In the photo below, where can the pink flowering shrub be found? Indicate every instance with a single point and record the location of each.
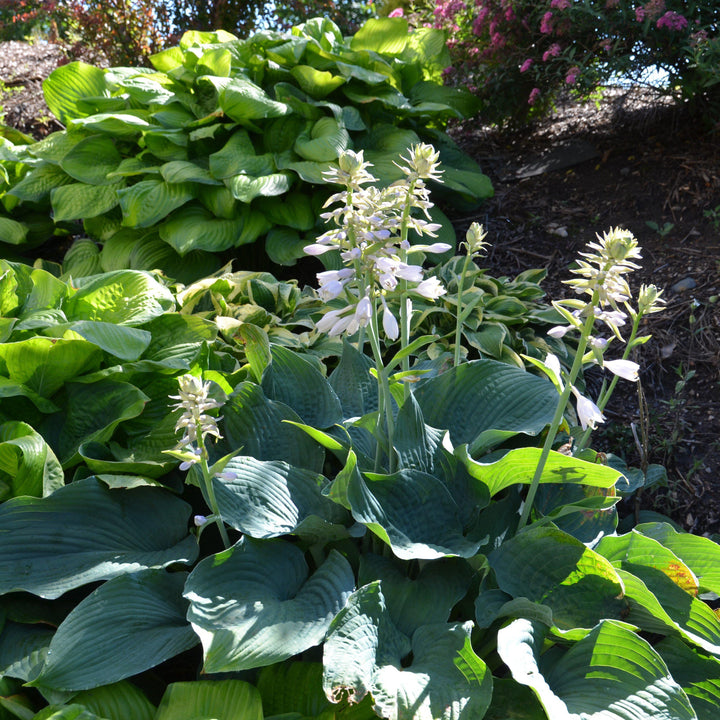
(518, 54)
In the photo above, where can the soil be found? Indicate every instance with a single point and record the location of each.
(629, 160)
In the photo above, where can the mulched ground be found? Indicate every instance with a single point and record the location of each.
(628, 161)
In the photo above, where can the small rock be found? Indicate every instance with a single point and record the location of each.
(625, 171)
(683, 285)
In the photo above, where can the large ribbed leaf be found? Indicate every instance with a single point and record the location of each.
(353, 384)
(325, 141)
(256, 603)
(12, 231)
(205, 699)
(125, 297)
(382, 35)
(294, 381)
(195, 228)
(129, 624)
(246, 187)
(84, 532)
(550, 567)
(442, 679)
(244, 101)
(120, 341)
(316, 83)
(28, 466)
(22, 648)
(611, 674)
(118, 701)
(69, 85)
(149, 201)
(38, 183)
(238, 156)
(484, 402)
(266, 499)
(91, 160)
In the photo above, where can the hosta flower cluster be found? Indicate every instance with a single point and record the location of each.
(371, 235)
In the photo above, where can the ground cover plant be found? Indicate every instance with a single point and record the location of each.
(224, 143)
(348, 531)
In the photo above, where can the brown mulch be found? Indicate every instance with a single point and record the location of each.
(629, 160)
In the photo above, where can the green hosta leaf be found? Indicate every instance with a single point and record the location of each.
(698, 675)
(120, 341)
(118, 701)
(243, 101)
(177, 337)
(270, 498)
(65, 712)
(206, 699)
(246, 188)
(611, 674)
(78, 200)
(382, 35)
(45, 364)
(22, 648)
(316, 83)
(124, 297)
(38, 183)
(82, 259)
(255, 424)
(182, 171)
(410, 510)
(12, 231)
(511, 701)
(294, 210)
(149, 201)
(424, 600)
(117, 472)
(243, 600)
(84, 532)
(69, 85)
(473, 184)
(325, 142)
(518, 466)
(484, 402)
(364, 653)
(91, 412)
(284, 246)
(238, 157)
(550, 567)
(700, 554)
(28, 466)
(294, 381)
(126, 124)
(194, 228)
(129, 624)
(91, 160)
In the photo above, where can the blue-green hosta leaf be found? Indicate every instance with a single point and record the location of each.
(353, 384)
(118, 701)
(483, 402)
(22, 648)
(255, 424)
(316, 83)
(294, 381)
(91, 411)
(700, 554)
(124, 297)
(91, 160)
(518, 466)
(244, 600)
(387, 36)
(266, 499)
(78, 200)
(697, 674)
(550, 567)
(201, 699)
(68, 85)
(424, 600)
(45, 364)
(28, 466)
(149, 201)
(244, 101)
(364, 654)
(412, 511)
(416, 443)
(84, 532)
(12, 232)
(325, 141)
(246, 187)
(511, 701)
(129, 624)
(612, 674)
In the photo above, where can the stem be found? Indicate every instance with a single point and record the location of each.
(210, 495)
(559, 411)
(404, 319)
(458, 321)
(384, 395)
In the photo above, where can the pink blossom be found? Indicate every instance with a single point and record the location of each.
(546, 26)
(560, 4)
(510, 15)
(654, 8)
(397, 12)
(534, 95)
(672, 21)
(526, 65)
(552, 51)
(497, 41)
(571, 77)
(640, 14)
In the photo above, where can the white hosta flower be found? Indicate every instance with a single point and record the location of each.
(199, 520)
(553, 365)
(623, 368)
(194, 421)
(589, 414)
(431, 289)
(559, 331)
(332, 282)
(334, 322)
(390, 323)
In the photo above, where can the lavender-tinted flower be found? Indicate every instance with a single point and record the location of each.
(195, 423)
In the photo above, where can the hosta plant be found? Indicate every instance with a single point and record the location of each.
(224, 143)
(354, 542)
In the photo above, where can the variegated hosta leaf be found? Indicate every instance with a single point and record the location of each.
(257, 603)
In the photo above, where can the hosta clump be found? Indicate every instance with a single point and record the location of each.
(224, 143)
(379, 560)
